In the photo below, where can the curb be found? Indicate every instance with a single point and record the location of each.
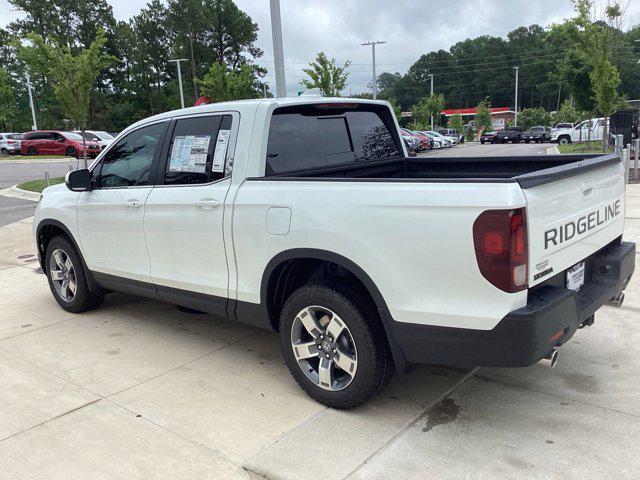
(39, 160)
(15, 192)
(553, 150)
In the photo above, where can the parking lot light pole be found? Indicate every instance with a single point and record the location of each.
(431, 78)
(374, 84)
(34, 125)
(515, 117)
(178, 60)
(278, 51)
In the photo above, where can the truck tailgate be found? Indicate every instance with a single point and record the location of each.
(573, 217)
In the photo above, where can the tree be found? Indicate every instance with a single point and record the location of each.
(73, 75)
(427, 107)
(222, 83)
(6, 97)
(567, 113)
(595, 43)
(483, 116)
(455, 121)
(529, 117)
(325, 75)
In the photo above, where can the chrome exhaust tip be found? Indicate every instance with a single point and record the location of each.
(617, 300)
(550, 360)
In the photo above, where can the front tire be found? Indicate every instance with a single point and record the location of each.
(334, 346)
(67, 279)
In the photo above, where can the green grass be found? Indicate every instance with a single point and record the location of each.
(591, 147)
(39, 185)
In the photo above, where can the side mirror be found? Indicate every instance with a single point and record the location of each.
(78, 180)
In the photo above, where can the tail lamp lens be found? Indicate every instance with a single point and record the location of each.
(500, 240)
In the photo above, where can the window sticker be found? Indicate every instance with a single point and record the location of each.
(221, 150)
(189, 153)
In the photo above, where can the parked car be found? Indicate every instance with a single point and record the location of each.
(589, 130)
(446, 141)
(489, 137)
(437, 142)
(411, 141)
(374, 262)
(510, 134)
(424, 141)
(100, 137)
(537, 134)
(10, 143)
(451, 132)
(55, 142)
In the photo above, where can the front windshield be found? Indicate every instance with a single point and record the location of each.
(71, 136)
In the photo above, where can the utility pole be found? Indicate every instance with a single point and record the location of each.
(278, 52)
(34, 125)
(515, 119)
(374, 85)
(264, 89)
(178, 60)
(431, 78)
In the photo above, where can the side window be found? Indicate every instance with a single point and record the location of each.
(198, 150)
(128, 162)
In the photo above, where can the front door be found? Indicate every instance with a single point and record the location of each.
(111, 216)
(184, 214)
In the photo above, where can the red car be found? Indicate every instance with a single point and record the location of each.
(55, 142)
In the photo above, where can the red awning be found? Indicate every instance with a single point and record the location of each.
(472, 111)
(202, 101)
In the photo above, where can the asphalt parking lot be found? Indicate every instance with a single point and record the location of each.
(138, 389)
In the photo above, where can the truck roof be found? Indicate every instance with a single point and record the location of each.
(250, 105)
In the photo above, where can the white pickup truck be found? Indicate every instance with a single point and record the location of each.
(590, 130)
(305, 216)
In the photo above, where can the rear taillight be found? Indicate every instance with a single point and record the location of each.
(500, 239)
(11, 141)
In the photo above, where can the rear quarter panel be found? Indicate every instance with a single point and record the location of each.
(414, 240)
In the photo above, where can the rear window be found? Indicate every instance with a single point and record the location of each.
(309, 136)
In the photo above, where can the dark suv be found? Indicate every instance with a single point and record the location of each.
(510, 134)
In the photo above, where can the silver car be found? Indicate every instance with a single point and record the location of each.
(10, 143)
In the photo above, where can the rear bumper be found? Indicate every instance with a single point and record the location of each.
(524, 336)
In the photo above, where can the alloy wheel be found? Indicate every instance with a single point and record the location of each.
(324, 348)
(63, 275)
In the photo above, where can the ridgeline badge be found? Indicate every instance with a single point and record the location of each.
(564, 233)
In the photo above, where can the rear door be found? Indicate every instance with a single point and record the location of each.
(185, 211)
(571, 218)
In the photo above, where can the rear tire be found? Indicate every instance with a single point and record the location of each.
(67, 279)
(4, 151)
(32, 151)
(72, 152)
(310, 317)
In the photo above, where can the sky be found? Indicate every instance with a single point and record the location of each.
(410, 28)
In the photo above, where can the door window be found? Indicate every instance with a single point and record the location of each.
(198, 150)
(128, 163)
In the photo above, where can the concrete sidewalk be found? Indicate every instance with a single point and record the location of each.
(138, 389)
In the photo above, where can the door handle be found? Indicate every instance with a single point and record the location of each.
(207, 203)
(133, 204)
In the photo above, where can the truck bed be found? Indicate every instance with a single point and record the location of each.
(528, 171)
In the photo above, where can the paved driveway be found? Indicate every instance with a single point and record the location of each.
(13, 173)
(138, 389)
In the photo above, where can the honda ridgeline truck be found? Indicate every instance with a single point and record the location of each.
(306, 216)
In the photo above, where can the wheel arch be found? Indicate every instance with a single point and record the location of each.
(50, 228)
(277, 274)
